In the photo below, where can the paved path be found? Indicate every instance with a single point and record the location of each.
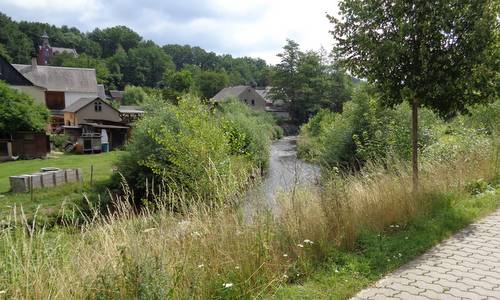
(466, 266)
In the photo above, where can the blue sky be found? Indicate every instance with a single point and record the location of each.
(256, 28)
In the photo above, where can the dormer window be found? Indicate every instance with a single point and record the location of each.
(98, 106)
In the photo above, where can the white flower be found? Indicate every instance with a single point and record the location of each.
(285, 276)
(285, 255)
(300, 245)
(196, 233)
(237, 267)
(406, 237)
(201, 265)
(336, 270)
(306, 241)
(3, 292)
(149, 229)
(227, 285)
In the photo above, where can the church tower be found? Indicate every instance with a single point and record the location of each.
(44, 51)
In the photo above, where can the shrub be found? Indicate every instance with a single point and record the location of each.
(58, 141)
(187, 148)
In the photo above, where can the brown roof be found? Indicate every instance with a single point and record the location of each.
(230, 92)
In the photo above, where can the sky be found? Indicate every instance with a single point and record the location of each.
(255, 28)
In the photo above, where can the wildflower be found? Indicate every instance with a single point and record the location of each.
(3, 292)
(388, 259)
(336, 270)
(306, 241)
(300, 245)
(406, 237)
(201, 265)
(285, 255)
(285, 276)
(227, 285)
(237, 267)
(149, 229)
(196, 233)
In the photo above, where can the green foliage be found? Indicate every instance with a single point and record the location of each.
(58, 141)
(134, 95)
(18, 111)
(188, 148)
(309, 82)
(443, 53)
(210, 83)
(364, 131)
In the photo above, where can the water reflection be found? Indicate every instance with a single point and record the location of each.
(285, 172)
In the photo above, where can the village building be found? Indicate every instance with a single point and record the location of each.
(62, 86)
(279, 108)
(94, 125)
(245, 94)
(116, 95)
(46, 52)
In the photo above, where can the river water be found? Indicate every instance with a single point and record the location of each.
(285, 172)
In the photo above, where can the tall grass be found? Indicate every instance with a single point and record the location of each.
(202, 251)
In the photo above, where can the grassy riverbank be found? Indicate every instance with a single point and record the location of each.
(48, 201)
(214, 252)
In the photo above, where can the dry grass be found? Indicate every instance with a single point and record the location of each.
(216, 252)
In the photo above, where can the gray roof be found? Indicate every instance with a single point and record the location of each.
(62, 50)
(101, 92)
(60, 79)
(79, 104)
(131, 109)
(116, 94)
(230, 92)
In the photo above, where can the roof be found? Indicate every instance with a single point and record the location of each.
(101, 92)
(230, 92)
(96, 125)
(79, 104)
(131, 109)
(116, 94)
(62, 50)
(60, 79)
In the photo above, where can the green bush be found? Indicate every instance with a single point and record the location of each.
(189, 148)
(365, 131)
(58, 141)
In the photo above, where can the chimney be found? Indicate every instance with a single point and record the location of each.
(33, 62)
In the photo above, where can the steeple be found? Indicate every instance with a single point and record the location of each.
(45, 39)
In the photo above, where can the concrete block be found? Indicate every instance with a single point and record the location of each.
(19, 184)
(35, 181)
(48, 179)
(59, 177)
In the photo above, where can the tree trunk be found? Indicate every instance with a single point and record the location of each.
(414, 142)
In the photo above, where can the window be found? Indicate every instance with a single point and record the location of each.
(97, 106)
(246, 101)
(253, 102)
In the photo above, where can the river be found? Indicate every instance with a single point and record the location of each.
(285, 172)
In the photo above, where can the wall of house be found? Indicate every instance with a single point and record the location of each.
(250, 94)
(36, 92)
(72, 97)
(69, 118)
(88, 112)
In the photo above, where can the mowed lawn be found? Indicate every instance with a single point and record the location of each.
(49, 200)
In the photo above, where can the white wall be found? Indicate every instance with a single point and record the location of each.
(72, 97)
(36, 92)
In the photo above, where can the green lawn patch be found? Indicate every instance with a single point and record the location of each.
(347, 272)
(49, 200)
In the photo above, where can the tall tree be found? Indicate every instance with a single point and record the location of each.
(430, 53)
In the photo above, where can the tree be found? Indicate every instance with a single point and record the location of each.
(18, 111)
(308, 82)
(110, 39)
(146, 65)
(209, 83)
(425, 52)
(134, 95)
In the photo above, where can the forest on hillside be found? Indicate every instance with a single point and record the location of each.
(122, 57)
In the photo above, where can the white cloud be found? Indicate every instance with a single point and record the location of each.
(257, 28)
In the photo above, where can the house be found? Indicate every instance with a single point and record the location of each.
(116, 95)
(93, 123)
(278, 108)
(246, 94)
(46, 52)
(17, 81)
(62, 86)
